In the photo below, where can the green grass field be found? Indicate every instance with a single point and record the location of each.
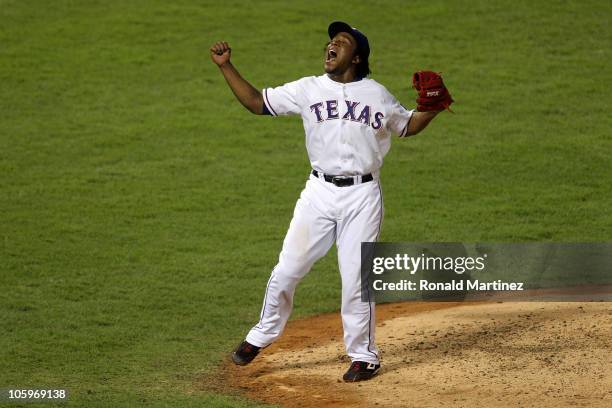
(142, 208)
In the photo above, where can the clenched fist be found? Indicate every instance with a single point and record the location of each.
(220, 53)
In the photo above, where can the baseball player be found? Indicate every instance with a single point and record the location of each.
(348, 120)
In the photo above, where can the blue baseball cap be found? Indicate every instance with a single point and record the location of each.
(363, 45)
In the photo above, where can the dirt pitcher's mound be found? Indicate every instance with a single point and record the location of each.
(433, 355)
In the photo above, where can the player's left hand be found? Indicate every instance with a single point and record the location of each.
(433, 94)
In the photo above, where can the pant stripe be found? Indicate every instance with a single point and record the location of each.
(382, 212)
(263, 308)
(368, 283)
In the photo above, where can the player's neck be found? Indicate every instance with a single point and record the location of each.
(345, 77)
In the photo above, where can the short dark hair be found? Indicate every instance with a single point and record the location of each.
(363, 68)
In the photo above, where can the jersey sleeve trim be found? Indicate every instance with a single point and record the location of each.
(267, 103)
(266, 111)
(405, 130)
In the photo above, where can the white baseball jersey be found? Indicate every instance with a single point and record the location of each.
(348, 126)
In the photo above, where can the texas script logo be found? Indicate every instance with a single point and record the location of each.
(330, 111)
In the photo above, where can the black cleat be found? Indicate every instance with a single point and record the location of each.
(360, 371)
(245, 353)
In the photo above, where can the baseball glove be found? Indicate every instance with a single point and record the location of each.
(433, 95)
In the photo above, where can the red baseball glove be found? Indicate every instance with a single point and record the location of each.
(433, 95)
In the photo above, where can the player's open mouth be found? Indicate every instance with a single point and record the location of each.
(331, 55)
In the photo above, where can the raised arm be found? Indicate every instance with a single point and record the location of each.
(246, 93)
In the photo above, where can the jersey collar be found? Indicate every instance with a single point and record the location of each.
(353, 84)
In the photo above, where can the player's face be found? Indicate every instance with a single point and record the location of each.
(340, 54)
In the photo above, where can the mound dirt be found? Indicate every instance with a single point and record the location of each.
(529, 354)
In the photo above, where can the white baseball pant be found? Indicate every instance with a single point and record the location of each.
(324, 213)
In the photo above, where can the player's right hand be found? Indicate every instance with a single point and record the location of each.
(220, 53)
